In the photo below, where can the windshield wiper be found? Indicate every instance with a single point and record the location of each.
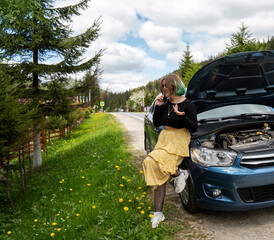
(241, 116)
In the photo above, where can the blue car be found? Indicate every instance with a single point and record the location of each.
(231, 163)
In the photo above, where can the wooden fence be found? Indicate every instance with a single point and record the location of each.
(18, 157)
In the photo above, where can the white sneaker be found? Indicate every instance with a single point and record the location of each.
(180, 181)
(157, 218)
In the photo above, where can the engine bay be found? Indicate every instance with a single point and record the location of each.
(242, 138)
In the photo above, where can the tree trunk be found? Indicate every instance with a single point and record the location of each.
(37, 156)
(8, 183)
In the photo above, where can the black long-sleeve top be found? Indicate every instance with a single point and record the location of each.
(165, 115)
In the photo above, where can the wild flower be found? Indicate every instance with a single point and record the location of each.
(93, 207)
(77, 215)
(52, 234)
(121, 200)
(88, 184)
(126, 208)
(123, 177)
(9, 232)
(70, 189)
(139, 187)
(149, 208)
(142, 212)
(141, 172)
(58, 229)
(151, 215)
(121, 185)
(139, 207)
(54, 223)
(35, 220)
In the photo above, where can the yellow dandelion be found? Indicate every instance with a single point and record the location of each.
(137, 198)
(60, 181)
(121, 185)
(129, 165)
(121, 200)
(83, 177)
(108, 161)
(80, 201)
(142, 212)
(139, 187)
(9, 232)
(130, 200)
(88, 184)
(35, 220)
(52, 234)
(126, 208)
(77, 215)
(93, 207)
(58, 229)
(141, 172)
(123, 177)
(44, 224)
(67, 216)
(54, 223)
(141, 203)
(143, 195)
(117, 166)
(139, 207)
(70, 189)
(58, 214)
(63, 180)
(151, 215)
(149, 208)
(33, 225)
(128, 180)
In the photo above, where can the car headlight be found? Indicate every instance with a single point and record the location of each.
(213, 158)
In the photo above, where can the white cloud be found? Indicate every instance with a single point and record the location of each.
(165, 28)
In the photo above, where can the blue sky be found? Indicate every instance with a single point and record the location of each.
(144, 40)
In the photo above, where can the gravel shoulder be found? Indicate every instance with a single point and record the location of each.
(257, 224)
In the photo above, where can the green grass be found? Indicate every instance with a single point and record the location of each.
(87, 188)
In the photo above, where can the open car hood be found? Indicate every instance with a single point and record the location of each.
(234, 79)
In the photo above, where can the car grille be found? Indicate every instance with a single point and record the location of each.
(257, 194)
(258, 160)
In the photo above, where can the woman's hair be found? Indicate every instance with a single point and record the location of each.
(175, 83)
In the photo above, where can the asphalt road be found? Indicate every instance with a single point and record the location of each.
(247, 225)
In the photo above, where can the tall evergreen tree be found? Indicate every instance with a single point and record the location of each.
(242, 41)
(33, 31)
(187, 66)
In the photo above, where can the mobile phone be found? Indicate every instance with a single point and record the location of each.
(165, 99)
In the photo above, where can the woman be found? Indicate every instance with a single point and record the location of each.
(178, 117)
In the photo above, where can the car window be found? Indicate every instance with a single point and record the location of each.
(233, 110)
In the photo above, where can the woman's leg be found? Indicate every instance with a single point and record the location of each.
(159, 197)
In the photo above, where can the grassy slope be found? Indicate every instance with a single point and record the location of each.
(88, 188)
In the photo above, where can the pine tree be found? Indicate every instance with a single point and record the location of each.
(33, 31)
(242, 41)
(187, 66)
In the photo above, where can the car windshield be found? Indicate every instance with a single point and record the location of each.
(233, 110)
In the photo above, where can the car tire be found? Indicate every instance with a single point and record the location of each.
(188, 198)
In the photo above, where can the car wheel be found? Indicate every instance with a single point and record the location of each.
(147, 146)
(188, 199)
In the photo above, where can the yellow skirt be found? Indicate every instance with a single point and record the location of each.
(169, 152)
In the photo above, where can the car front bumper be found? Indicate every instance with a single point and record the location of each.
(233, 188)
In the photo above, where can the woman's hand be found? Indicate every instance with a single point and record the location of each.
(160, 100)
(175, 108)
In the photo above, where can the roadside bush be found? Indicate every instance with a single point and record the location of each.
(87, 114)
